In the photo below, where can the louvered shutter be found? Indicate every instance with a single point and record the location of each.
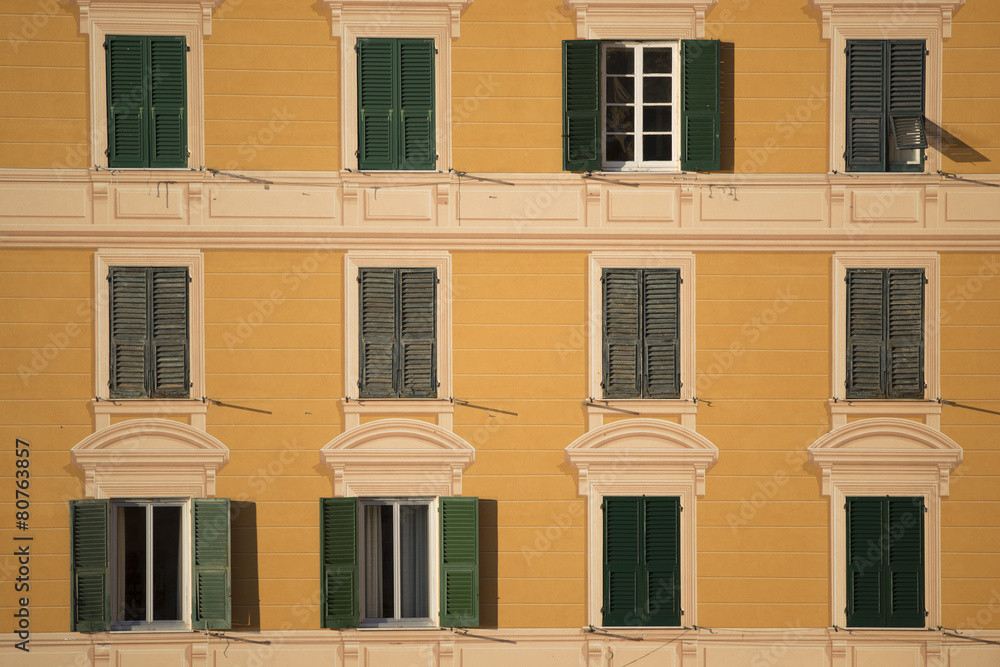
(623, 576)
(378, 332)
(701, 105)
(377, 77)
(417, 349)
(904, 591)
(905, 333)
(90, 609)
(865, 333)
(906, 93)
(865, 567)
(661, 336)
(127, 127)
(169, 353)
(211, 575)
(622, 351)
(339, 562)
(168, 102)
(581, 105)
(459, 562)
(865, 103)
(661, 560)
(416, 104)
(128, 293)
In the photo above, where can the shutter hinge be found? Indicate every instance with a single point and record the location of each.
(680, 280)
(926, 613)
(190, 279)
(357, 154)
(188, 49)
(106, 152)
(927, 52)
(602, 504)
(435, 51)
(359, 384)
(925, 280)
(356, 49)
(845, 505)
(358, 278)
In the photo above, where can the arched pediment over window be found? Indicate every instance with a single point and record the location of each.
(149, 457)
(390, 457)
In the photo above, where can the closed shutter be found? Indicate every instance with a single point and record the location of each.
(338, 536)
(661, 553)
(416, 104)
(378, 332)
(622, 567)
(376, 78)
(169, 310)
(865, 337)
(905, 333)
(168, 102)
(865, 102)
(127, 120)
(129, 331)
(622, 330)
(459, 562)
(906, 93)
(90, 607)
(417, 317)
(211, 582)
(581, 105)
(661, 336)
(905, 563)
(701, 105)
(864, 562)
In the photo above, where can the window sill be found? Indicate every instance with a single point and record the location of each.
(106, 408)
(844, 409)
(598, 409)
(441, 409)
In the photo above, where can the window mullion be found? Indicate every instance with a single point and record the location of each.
(149, 563)
(638, 75)
(397, 598)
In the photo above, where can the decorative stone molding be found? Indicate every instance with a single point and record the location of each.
(640, 19)
(380, 10)
(89, 8)
(888, 12)
(149, 457)
(397, 457)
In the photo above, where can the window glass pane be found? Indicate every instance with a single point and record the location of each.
(132, 563)
(379, 587)
(620, 90)
(619, 147)
(656, 147)
(619, 60)
(166, 563)
(657, 60)
(656, 119)
(413, 561)
(620, 119)
(657, 89)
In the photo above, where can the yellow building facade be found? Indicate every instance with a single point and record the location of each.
(462, 332)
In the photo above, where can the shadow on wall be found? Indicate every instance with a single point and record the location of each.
(727, 132)
(952, 147)
(246, 592)
(488, 597)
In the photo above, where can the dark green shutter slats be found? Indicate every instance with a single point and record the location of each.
(127, 115)
(168, 102)
(865, 119)
(865, 340)
(378, 332)
(416, 104)
(621, 333)
(661, 338)
(622, 561)
(885, 568)
(581, 105)
(905, 326)
(169, 312)
(91, 602)
(417, 317)
(459, 562)
(129, 331)
(906, 93)
(701, 105)
(211, 574)
(376, 76)
(339, 562)
(661, 553)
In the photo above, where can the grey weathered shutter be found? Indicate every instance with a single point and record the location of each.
(865, 333)
(167, 102)
(459, 562)
(904, 579)
(905, 333)
(661, 560)
(865, 104)
(906, 93)
(623, 518)
(661, 335)
(701, 104)
(377, 84)
(170, 348)
(417, 350)
(865, 569)
(622, 331)
(378, 332)
(581, 105)
(90, 608)
(338, 525)
(129, 331)
(416, 104)
(127, 104)
(211, 575)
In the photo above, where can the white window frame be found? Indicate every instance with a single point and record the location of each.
(637, 106)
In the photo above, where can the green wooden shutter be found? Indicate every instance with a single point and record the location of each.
(338, 529)
(417, 316)
(661, 334)
(905, 333)
(211, 575)
(129, 331)
(661, 560)
(622, 567)
(170, 347)
(378, 332)
(701, 105)
(459, 562)
(377, 83)
(865, 337)
(416, 130)
(865, 103)
(904, 580)
(581, 105)
(127, 103)
(906, 93)
(167, 102)
(864, 562)
(91, 600)
(621, 324)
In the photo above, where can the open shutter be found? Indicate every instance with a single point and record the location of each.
(661, 556)
(865, 340)
(128, 293)
(378, 332)
(168, 102)
(91, 601)
(622, 569)
(906, 93)
(127, 103)
(169, 332)
(864, 562)
(417, 316)
(459, 562)
(416, 104)
(211, 575)
(377, 82)
(661, 336)
(701, 105)
(865, 100)
(338, 526)
(905, 344)
(622, 350)
(581, 105)
(904, 585)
